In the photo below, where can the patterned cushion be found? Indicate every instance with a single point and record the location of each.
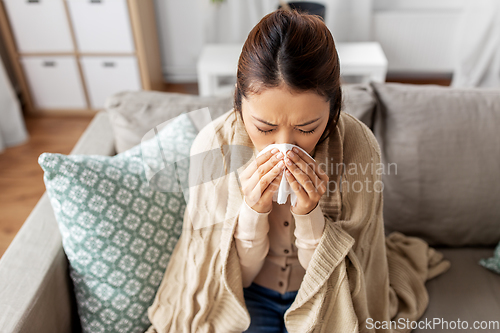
(117, 232)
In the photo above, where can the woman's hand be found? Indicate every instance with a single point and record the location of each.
(306, 179)
(261, 179)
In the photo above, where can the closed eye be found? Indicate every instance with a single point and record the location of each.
(308, 132)
(301, 131)
(265, 132)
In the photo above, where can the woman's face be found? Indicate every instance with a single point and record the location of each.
(278, 116)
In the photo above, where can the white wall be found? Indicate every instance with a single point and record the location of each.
(180, 27)
(416, 35)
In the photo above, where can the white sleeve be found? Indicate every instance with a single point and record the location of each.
(252, 242)
(308, 231)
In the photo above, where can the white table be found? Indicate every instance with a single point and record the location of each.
(364, 59)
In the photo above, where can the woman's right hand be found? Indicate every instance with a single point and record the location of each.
(261, 179)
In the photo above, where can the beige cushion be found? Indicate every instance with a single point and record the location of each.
(445, 144)
(359, 101)
(134, 113)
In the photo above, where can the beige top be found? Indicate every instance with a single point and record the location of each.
(355, 275)
(276, 247)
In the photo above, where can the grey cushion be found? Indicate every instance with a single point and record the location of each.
(134, 113)
(446, 149)
(359, 101)
(467, 291)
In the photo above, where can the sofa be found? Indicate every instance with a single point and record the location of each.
(442, 142)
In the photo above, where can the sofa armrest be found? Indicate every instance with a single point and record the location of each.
(98, 138)
(36, 292)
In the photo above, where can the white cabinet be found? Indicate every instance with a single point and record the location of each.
(39, 25)
(54, 82)
(69, 56)
(108, 75)
(101, 25)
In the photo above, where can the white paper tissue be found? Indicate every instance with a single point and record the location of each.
(281, 196)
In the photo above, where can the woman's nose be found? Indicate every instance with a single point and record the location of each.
(285, 138)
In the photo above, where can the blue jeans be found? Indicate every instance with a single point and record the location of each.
(267, 308)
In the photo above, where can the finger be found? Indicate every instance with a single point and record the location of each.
(269, 191)
(307, 175)
(249, 171)
(262, 183)
(301, 177)
(273, 187)
(320, 178)
(256, 163)
(266, 156)
(264, 169)
(309, 161)
(296, 187)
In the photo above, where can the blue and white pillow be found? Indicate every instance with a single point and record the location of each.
(117, 231)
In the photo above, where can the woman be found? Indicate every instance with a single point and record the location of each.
(245, 263)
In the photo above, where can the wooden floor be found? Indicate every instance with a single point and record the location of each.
(21, 178)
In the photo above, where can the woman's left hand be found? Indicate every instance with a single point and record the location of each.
(306, 179)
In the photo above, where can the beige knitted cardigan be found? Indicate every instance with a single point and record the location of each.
(355, 273)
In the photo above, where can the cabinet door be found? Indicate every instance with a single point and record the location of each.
(39, 25)
(101, 25)
(106, 76)
(54, 82)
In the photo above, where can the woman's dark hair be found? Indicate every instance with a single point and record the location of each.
(295, 49)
